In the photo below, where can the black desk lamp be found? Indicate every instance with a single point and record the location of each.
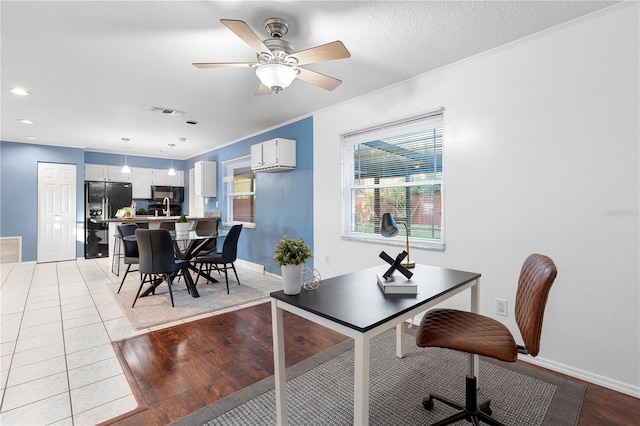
(389, 228)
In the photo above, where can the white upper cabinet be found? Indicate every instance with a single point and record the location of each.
(177, 180)
(141, 181)
(116, 175)
(273, 155)
(101, 172)
(97, 172)
(205, 179)
(161, 178)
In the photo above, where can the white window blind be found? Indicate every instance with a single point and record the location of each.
(395, 168)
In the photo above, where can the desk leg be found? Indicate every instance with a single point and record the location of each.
(361, 381)
(474, 308)
(399, 349)
(279, 365)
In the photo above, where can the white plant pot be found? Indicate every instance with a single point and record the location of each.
(292, 279)
(182, 227)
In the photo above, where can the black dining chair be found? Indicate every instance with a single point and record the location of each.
(130, 248)
(156, 258)
(225, 259)
(168, 225)
(210, 227)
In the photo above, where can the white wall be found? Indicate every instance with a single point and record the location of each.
(541, 155)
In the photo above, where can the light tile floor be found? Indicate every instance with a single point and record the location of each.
(57, 362)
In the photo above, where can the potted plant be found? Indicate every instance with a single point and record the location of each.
(181, 224)
(291, 255)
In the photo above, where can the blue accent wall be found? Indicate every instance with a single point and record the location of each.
(19, 192)
(284, 200)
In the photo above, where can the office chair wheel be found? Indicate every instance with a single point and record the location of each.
(487, 410)
(427, 403)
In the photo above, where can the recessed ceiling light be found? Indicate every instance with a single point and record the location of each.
(26, 121)
(31, 138)
(19, 91)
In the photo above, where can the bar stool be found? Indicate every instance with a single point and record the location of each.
(117, 254)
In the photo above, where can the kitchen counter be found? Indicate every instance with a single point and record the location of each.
(145, 218)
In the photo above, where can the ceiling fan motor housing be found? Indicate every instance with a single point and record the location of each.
(276, 27)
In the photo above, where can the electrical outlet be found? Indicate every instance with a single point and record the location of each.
(501, 306)
(327, 260)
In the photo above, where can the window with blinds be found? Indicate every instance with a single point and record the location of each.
(240, 190)
(395, 168)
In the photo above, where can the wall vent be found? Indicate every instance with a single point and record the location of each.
(167, 111)
(10, 249)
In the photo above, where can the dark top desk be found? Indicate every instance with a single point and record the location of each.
(353, 304)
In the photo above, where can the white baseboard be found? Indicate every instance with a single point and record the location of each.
(272, 275)
(255, 267)
(597, 379)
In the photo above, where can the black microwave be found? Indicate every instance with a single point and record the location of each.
(173, 193)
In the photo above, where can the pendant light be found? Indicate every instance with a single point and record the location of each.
(125, 168)
(171, 171)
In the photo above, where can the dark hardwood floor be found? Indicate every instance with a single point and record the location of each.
(179, 370)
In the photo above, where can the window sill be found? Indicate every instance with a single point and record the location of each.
(432, 246)
(244, 224)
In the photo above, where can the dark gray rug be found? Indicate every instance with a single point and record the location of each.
(320, 390)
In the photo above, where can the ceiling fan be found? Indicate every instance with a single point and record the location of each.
(278, 63)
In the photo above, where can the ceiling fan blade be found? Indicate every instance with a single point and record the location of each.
(263, 90)
(325, 52)
(242, 30)
(223, 64)
(317, 79)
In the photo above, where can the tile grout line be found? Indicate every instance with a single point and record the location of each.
(64, 346)
(13, 352)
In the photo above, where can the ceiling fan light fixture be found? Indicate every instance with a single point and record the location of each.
(275, 76)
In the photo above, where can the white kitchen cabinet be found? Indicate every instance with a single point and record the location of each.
(116, 175)
(96, 172)
(101, 172)
(160, 177)
(177, 180)
(273, 155)
(141, 181)
(205, 179)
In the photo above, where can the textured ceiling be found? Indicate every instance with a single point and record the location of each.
(96, 68)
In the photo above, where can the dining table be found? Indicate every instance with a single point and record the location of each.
(187, 246)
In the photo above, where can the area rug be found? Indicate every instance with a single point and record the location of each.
(320, 390)
(156, 309)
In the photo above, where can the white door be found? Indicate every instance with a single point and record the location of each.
(56, 212)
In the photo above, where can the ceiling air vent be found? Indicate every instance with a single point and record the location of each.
(167, 111)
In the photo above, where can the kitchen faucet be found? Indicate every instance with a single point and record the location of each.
(166, 211)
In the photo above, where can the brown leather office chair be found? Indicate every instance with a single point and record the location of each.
(476, 334)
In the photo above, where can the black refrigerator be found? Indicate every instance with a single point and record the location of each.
(102, 201)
